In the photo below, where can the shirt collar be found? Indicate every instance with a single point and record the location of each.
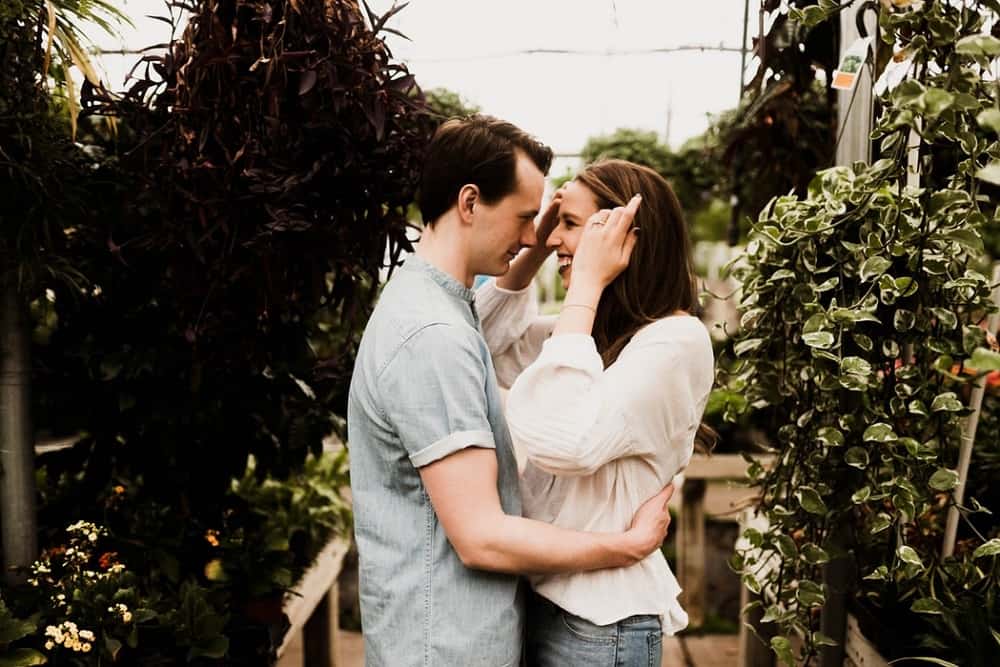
(446, 281)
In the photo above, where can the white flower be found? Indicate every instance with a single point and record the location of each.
(85, 648)
(87, 634)
(49, 645)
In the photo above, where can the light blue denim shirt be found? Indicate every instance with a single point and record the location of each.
(424, 388)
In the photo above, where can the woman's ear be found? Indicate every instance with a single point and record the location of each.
(468, 196)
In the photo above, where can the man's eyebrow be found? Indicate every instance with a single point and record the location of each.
(529, 214)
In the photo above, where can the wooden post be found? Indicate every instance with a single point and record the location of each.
(17, 453)
(319, 635)
(754, 648)
(691, 552)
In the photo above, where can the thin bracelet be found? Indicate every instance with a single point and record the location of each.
(580, 305)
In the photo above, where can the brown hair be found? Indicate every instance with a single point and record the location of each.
(478, 150)
(660, 278)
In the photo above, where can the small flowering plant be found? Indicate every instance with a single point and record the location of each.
(93, 607)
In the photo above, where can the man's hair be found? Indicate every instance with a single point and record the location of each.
(478, 150)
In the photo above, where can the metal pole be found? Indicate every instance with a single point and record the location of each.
(17, 465)
(743, 48)
(969, 426)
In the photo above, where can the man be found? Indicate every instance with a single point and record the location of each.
(433, 474)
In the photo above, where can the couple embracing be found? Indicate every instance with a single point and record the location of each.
(467, 558)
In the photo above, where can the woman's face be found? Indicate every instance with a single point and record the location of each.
(578, 204)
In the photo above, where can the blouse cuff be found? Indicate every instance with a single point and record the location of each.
(574, 350)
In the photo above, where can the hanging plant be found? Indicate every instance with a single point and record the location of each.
(862, 303)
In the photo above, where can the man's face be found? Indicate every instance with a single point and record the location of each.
(502, 229)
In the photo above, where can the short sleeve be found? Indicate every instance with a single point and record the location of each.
(434, 393)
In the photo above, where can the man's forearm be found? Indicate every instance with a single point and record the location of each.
(525, 546)
(523, 269)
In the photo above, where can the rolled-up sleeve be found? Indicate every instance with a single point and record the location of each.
(434, 391)
(513, 328)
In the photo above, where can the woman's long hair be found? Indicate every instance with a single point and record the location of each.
(660, 278)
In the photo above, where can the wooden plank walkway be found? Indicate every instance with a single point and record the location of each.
(694, 651)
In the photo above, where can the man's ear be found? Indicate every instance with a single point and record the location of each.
(468, 197)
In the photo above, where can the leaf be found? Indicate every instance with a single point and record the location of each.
(874, 267)
(814, 554)
(946, 402)
(830, 437)
(822, 640)
(984, 360)
(927, 606)
(934, 101)
(855, 365)
(991, 548)
(810, 500)
(748, 345)
(751, 583)
(22, 657)
(856, 457)
(861, 495)
(904, 319)
(822, 340)
(967, 238)
(945, 317)
(933, 661)
(880, 522)
(908, 554)
(113, 646)
(783, 648)
(990, 120)
(978, 45)
(879, 432)
(990, 173)
(216, 647)
(944, 479)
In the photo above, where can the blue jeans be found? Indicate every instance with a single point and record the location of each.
(557, 638)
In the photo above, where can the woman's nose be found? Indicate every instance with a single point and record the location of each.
(554, 240)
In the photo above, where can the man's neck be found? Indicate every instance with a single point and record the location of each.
(445, 252)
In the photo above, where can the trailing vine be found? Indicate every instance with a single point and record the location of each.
(862, 305)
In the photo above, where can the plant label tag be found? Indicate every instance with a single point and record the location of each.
(846, 75)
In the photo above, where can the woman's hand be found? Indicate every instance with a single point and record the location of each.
(526, 264)
(606, 245)
(549, 220)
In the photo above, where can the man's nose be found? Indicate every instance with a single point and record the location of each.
(528, 238)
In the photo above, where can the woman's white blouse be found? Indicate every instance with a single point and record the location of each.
(599, 442)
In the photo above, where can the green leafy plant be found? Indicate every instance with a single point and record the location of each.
(862, 301)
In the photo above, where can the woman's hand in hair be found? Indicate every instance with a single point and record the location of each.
(606, 245)
(549, 220)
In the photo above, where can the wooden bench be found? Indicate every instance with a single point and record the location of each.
(691, 547)
(313, 608)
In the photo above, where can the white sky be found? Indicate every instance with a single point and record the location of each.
(563, 99)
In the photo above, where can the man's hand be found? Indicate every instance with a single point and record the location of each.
(650, 523)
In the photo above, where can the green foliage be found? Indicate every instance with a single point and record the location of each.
(861, 303)
(261, 175)
(444, 104)
(694, 178)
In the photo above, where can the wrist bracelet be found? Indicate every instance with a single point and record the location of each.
(580, 305)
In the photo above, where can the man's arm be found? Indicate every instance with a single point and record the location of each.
(463, 490)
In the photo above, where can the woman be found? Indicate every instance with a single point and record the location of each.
(607, 400)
